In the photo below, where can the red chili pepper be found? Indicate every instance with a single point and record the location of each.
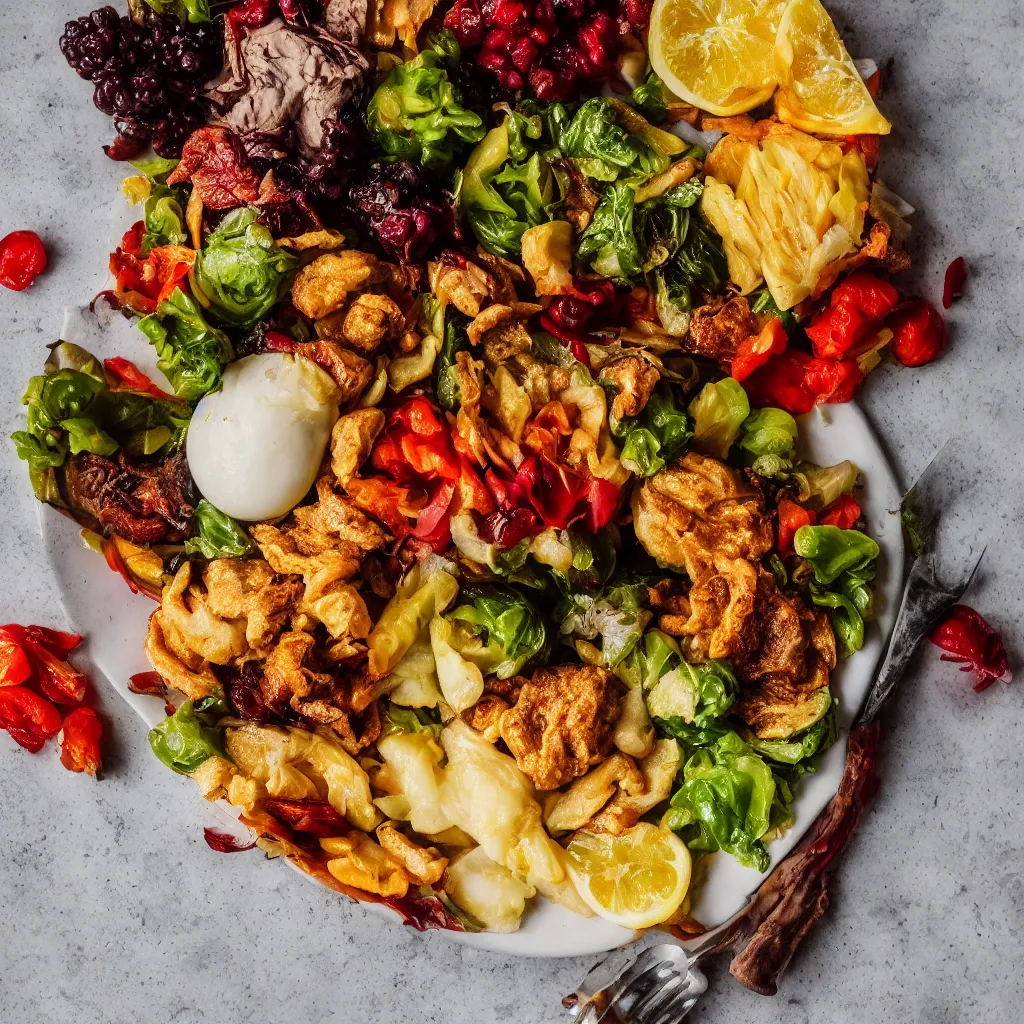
(780, 382)
(843, 512)
(57, 678)
(278, 342)
(953, 284)
(791, 517)
(506, 529)
(148, 684)
(602, 501)
(55, 640)
(553, 491)
(753, 352)
(128, 377)
(832, 380)
(143, 282)
(973, 644)
(80, 741)
(855, 306)
(22, 259)
(30, 719)
(430, 517)
(14, 664)
(579, 350)
(117, 564)
(918, 333)
(317, 817)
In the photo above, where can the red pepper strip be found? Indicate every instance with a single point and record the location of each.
(832, 380)
(602, 501)
(918, 333)
(843, 512)
(30, 719)
(278, 342)
(755, 351)
(430, 517)
(855, 305)
(118, 565)
(579, 350)
(14, 664)
(128, 377)
(148, 684)
(972, 643)
(80, 741)
(780, 382)
(54, 640)
(953, 284)
(506, 529)
(791, 517)
(142, 283)
(317, 817)
(553, 491)
(57, 678)
(874, 83)
(473, 493)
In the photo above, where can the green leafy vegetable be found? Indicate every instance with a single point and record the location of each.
(658, 436)
(398, 719)
(725, 801)
(769, 435)
(689, 698)
(190, 353)
(649, 99)
(184, 10)
(764, 303)
(241, 270)
(416, 114)
(455, 341)
(505, 187)
(217, 535)
(832, 551)
(183, 742)
(508, 626)
(806, 745)
(615, 615)
(823, 484)
(608, 243)
(718, 413)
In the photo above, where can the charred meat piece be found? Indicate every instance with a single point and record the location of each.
(562, 722)
(142, 502)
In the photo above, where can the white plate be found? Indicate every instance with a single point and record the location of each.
(98, 604)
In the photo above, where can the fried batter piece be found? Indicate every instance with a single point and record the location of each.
(636, 379)
(350, 372)
(352, 440)
(424, 863)
(323, 286)
(249, 589)
(697, 509)
(562, 722)
(514, 314)
(465, 287)
(717, 329)
(370, 321)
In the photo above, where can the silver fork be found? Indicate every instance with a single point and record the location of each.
(662, 983)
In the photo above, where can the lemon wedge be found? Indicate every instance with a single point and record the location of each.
(819, 87)
(716, 54)
(636, 879)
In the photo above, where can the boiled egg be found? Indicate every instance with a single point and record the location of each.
(255, 446)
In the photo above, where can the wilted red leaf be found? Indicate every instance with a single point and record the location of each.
(316, 817)
(212, 160)
(424, 913)
(225, 842)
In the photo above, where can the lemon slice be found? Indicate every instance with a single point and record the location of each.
(716, 54)
(636, 879)
(819, 87)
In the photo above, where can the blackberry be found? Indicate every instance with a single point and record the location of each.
(148, 74)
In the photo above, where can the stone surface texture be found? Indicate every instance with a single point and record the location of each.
(112, 909)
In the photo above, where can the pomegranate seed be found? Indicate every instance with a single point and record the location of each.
(540, 35)
(499, 39)
(523, 53)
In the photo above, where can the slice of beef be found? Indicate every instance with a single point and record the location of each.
(142, 502)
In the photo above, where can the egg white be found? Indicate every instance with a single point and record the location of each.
(255, 446)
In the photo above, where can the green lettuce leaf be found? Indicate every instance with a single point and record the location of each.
(241, 270)
(183, 742)
(184, 10)
(509, 628)
(655, 438)
(416, 114)
(718, 412)
(455, 341)
(832, 551)
(217, 535)
(608, 243)
(190, 353)
(616, 615)
(398, 719)
(648, 98)
(769, 437)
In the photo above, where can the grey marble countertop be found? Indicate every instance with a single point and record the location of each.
(112, 909)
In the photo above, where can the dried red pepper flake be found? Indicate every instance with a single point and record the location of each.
(57, 678)
(843, 512)
(30, 719)
(22, 259)
(128, 377)
(856, 306)
(954, 281)
(225, 842)
(424, 913)
(972, 643)
(315, 817)
(80, 741)
(147, 684)
(780, 382)
(15, 667)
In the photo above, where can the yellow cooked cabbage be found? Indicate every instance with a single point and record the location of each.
(785, 208)
(487, 890)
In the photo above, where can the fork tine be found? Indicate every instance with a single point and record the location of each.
(658, 1000)
(635, 985)
(674, 1012)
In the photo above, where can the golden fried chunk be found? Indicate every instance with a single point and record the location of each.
(358, 861)
(350, 372)
(249, 589)
(498, 313)
(287, 673)
(504, 274)
(572, 809)
(323, 286)
(185, 672)
(485, 716)
(397, 18)
(689, 512)
(424, 863)
(562, 722)
(658, 769)
(547, 256)
(717, 329)
(463, 287)
(351, 441)
(635, 378)
(371, 320)
(323, 238)
(190, 625)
